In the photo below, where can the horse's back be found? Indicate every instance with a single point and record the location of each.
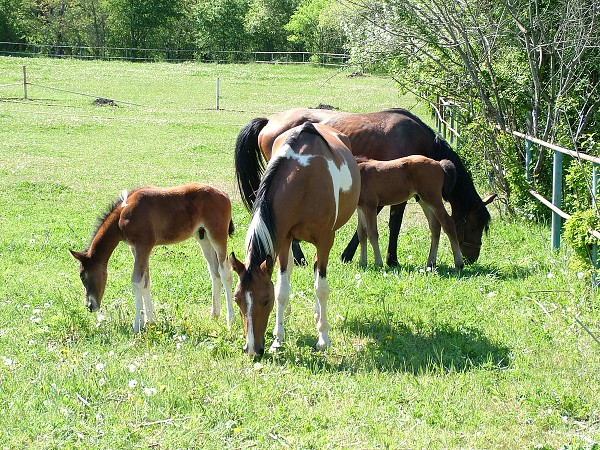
(382, 135)
(170, 215)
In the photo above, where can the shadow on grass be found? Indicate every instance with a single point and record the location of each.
(384, 347)
(512, 272)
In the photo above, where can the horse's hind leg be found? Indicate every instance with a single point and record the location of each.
(213, 268)
(448, 225)
(140, 283)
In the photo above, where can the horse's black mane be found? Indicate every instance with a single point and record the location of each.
(107, 213)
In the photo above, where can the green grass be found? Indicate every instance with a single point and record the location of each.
(492, 358)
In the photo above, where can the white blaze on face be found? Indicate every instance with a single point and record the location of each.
(342, 181)
(250, 334)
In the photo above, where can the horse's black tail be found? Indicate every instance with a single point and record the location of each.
(231, 228)
(449, 177)
(249, 162)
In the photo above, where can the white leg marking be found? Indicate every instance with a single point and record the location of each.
(322, 293)
(139, 305)
(227, 279)
(282, 294)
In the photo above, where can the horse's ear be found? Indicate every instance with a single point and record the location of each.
(237, 265)
(489, 199)
(267, 265)
(79, 256)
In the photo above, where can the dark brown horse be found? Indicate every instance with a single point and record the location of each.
(151, 216)
(384, 135)
(309, 190)
(395, 181)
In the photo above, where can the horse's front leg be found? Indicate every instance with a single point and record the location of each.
(322, 295)
(350, 249)
(140, 283)
(396, 215)
(434, 229)
(282, 295)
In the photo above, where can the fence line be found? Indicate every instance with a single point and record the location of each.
(172, 55)
(557, 214)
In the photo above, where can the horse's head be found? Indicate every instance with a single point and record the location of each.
(470, 229)
(255, 295)
(93, 276)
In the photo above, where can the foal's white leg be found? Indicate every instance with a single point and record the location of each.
(215, 277)
(282, 295)
(227, 279)
(322, 294)
(140, 283)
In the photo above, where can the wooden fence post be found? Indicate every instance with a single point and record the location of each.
(218, 93)
(595, 206)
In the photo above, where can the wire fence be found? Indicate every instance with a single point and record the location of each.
(171, 55)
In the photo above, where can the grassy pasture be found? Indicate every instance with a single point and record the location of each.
(493, 358)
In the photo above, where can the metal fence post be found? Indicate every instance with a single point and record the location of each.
(595, 206)
(556, 198)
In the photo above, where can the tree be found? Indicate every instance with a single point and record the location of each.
(265, 23)
(526, 65)
(315, 26)
(220, 25)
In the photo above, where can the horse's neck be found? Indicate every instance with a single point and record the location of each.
(106, 239)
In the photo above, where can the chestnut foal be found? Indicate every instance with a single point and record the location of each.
(393, 182)
(151, 216)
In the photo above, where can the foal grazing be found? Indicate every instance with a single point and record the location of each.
(151, 216)
(309, 190)
(392, 182)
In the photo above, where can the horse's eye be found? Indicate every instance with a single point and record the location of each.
(266, 303)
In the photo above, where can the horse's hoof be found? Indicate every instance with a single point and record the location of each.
(346, 258)
(276, 345)
(392, 262)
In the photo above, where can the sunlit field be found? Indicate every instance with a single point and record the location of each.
(498, 356)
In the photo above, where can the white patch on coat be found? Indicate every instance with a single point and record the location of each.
(342, 181)
(286, 151)
(124, 195)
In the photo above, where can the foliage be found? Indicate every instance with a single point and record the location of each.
(524, 68)
(315, 26)
(220, 24)
(576, 232)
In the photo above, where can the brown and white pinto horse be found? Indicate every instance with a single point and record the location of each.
(391, 182)
(151, 216)
(384, 135)
(309, 190)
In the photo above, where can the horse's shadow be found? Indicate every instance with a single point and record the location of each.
(384, 347)
(443, 270)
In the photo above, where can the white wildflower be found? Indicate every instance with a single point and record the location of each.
(132, 384)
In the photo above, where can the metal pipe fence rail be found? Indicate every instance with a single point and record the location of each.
(445, 114)
(171, 55)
